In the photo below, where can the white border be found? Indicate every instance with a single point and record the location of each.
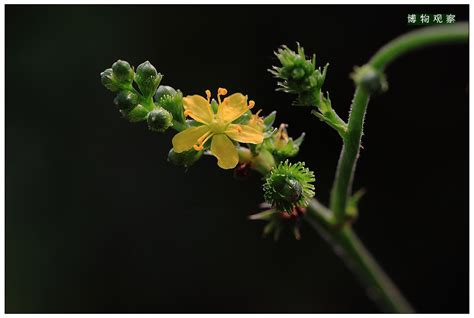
(2, 149)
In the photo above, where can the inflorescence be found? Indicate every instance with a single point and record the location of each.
(225, 127)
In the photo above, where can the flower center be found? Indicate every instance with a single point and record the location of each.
(218, 126)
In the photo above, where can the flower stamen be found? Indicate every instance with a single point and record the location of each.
(198, 147)
(251, 104)
(221, 92)
(202, 140)
(208, 95)
(203, 137)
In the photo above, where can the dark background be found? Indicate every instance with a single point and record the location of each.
(98, 221)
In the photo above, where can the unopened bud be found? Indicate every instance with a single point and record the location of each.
(147, 79)
(126, 100)
(185, 158)
(136, 114)
(123, 72)
(163, 91)
(107, 79)
(370, 79)
(159, 120)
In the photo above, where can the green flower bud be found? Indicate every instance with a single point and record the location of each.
(126, 100)
(297, 75)
(164, 90)
(172, 103)
(184, 159)
(123, 72)
(159, 120)
(108, 80)
(147, 79)
(263, 161)
(370, 79)
(136, 114)
(289, 186)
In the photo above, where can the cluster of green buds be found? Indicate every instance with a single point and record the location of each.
(298, 75)
(140, 96)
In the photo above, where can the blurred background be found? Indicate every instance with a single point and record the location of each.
(98, 221)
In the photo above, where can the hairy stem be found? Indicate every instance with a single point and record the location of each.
(347, 245)
(350, 151)
(379, 286)
(342, 186)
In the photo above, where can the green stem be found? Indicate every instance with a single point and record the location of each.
(350, 151)
(347, 162)
(422, 38)
(378, 285)
(334, 223)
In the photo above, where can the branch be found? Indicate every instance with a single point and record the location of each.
(387, 54)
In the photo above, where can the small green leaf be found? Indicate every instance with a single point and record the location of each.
(352, 209)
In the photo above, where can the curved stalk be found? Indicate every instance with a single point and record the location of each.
(342, 186)
(422, 38)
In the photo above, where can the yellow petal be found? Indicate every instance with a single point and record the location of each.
(232, 107)
(225, 152)
(244, 133)
(198, 108)
(187, 138)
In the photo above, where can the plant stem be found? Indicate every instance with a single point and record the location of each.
(379, 286)
(350, 150)
(458, 32)
(347, 245)
(347, 162)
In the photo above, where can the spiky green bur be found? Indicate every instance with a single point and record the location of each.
(289, 186)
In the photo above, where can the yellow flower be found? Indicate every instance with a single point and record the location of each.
(217, 126)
